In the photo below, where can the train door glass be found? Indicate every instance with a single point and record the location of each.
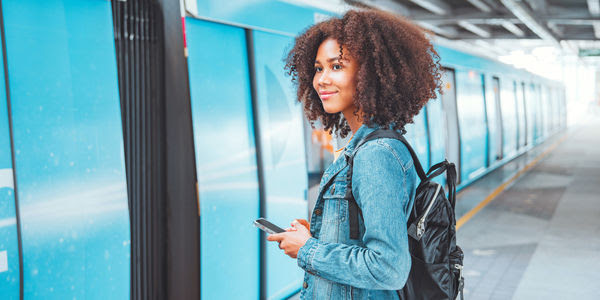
(68, 143)
(416, 135)
(319, 155)
(539, 114)
(509, 118)
(521, 115)
(9, 248)
(471, 116)
(563, 108)
(530, 107)
(495, 120)
(545, 111)
(437, 129)
(556, 112)
(539, 132)
(451, 122)
(225, 160)
(283, 155)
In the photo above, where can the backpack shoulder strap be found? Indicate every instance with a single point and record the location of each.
(353, 209)
(392, 134)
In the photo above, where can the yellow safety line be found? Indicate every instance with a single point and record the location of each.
(502, 187)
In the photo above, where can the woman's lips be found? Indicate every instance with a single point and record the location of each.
(327, 95)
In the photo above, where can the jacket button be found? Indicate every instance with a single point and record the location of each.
(305, 285)
(318, 212)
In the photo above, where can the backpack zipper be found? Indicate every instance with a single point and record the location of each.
(421, 224)
(461, 280)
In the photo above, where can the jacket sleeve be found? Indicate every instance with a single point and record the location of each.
(380, 184)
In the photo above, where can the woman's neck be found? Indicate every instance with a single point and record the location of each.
(354, 120)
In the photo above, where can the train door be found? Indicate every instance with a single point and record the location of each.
(521, 119)
(416, 134)
(496, 134)
(471, 115)
(509, 119)
(67, 137)
(250, 157)
(436, 128)
(282, 155)
(319, 155)
(226, 161)
(530, 107)
(545, 111)
(9, 240)
(539, 135)
(451, 119)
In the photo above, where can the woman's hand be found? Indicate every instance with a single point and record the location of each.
(293, 239)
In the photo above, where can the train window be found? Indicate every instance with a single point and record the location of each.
(509, 118)
(519, 102)
(472, 123)
(451, 120)
(319, 155)
(494, 120)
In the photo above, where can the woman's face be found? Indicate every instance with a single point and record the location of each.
(335, 78)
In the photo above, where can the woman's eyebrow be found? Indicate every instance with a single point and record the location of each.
(330, 60)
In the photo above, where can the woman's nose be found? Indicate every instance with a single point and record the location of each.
(324, 78)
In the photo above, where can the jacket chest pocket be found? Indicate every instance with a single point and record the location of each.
(335, 207)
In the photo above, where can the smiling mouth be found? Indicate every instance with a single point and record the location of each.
(326, 96)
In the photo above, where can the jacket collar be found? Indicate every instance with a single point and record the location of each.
(359, 135)
(341, 163)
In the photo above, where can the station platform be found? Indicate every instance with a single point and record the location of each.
(531, 229)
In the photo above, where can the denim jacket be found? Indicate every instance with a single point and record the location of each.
(377, 264)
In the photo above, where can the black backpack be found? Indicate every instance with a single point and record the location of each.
(436, 269)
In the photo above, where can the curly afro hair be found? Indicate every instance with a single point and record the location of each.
(398, 69)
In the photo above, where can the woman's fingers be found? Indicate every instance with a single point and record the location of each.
(277, 237)
(304, 223)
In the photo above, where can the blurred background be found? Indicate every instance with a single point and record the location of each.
(139, 139)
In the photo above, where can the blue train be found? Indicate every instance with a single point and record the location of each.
(71, 216)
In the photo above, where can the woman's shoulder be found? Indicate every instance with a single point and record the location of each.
(384, 150)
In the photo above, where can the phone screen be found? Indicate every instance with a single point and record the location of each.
(267, 226)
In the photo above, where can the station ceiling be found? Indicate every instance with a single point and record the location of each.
(571, 25)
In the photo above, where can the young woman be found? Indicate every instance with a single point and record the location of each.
(363, 71)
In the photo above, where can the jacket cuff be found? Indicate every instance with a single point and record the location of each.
(307, 253)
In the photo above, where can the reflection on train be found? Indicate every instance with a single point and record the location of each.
(62, 160)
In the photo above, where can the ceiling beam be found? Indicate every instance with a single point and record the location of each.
(477, 17)
(513, 28)
(495, 36)
(539, 6)
(594, 8)
(556, 29)
(386, 5)
(596, 26)
(435, 6)
(475, 29)
(481, 5)
(528, 19)
(448, 32)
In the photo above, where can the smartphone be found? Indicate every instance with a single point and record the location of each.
(267, 226)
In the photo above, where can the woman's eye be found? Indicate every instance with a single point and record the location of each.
(337, 67)
(318, 69)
